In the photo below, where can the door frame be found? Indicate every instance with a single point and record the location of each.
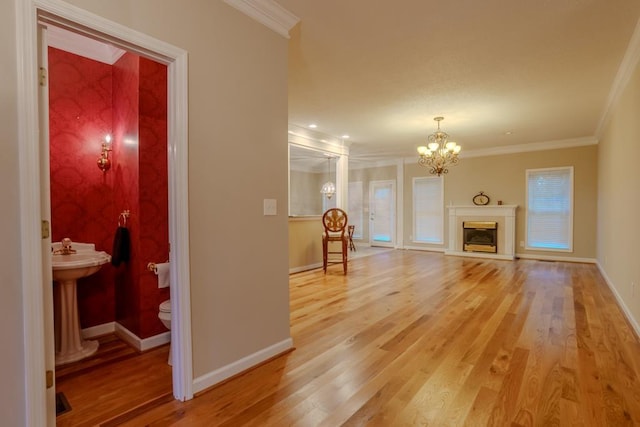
(394, 235)
(28, 13)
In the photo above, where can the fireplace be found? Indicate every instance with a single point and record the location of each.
(504, 215)
(480, 236)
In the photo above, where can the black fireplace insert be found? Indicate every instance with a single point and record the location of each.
(480, 236)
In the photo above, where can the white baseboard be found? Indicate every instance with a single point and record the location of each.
(556, 258)
(139, 343)
(480, 255)
(96, 331)
(423, 248)
(305, 268)
(625, 309)
(212, 378)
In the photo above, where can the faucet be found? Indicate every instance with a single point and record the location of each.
(66, 247)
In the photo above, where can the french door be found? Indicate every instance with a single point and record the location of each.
(382, 213)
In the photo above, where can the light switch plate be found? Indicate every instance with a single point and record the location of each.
(270, 207)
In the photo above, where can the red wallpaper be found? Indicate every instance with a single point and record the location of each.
(126, 76)
(89, 99)
(81, 195)
(154, 197)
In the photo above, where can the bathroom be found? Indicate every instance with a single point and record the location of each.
(111, 103)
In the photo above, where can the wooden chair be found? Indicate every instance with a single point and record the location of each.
(334, 222)
(351, 229)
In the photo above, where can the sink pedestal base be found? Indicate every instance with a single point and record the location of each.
(72, 346)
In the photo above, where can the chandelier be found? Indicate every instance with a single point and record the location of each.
(438, 154)
(328, 188)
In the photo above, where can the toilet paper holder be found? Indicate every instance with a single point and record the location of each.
(153, 267)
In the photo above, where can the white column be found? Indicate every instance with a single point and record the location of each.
(342, 182)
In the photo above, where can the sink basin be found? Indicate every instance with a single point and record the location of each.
(67, 269)
(83, 263)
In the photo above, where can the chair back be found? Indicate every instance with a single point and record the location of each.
(334, 221)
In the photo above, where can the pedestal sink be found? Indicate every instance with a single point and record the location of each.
(67, 269)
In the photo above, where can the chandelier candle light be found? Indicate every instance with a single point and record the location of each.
(438, 154)
(329, 188)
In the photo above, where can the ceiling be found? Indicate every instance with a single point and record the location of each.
(501, 72)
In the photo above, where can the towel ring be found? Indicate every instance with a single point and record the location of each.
(122, 218)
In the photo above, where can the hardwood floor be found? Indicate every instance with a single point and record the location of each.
(114, 384)
(414, 338)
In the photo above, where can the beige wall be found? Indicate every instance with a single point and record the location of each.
(503, 178)
(305, 197)
(619, 197)
(237, 137)
(12, 398)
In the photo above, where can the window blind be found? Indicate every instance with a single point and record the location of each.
(428, 206)
(550, 209)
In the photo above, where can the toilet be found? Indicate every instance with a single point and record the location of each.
(165, 317)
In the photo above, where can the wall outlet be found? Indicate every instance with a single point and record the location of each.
(522, 243)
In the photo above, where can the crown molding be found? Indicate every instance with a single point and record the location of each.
(318, 141)
(267, 12)
(82, 46)
(522, 148)
(533, 146)
(627, 67)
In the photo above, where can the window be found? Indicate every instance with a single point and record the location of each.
(428, 207)
(355, 209)
(550, 209)
(328, 203)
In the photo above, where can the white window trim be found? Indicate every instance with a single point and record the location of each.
(571, 199)
(413, 210)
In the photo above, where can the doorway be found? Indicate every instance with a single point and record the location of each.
(382, 202)
(108, 170)
(36, 263)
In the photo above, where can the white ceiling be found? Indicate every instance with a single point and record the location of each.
(380, 70)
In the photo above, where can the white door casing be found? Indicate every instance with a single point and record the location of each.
(34, 169)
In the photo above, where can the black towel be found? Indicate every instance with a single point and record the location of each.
(121, 245)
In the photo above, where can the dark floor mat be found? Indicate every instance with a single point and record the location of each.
(62, 405)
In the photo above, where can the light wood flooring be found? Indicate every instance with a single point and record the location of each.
(413, 338)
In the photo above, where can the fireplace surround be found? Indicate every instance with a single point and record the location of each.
(503, 215)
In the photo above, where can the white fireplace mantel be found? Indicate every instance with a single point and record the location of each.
(504, 215)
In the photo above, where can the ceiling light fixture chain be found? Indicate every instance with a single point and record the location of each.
(439, 153)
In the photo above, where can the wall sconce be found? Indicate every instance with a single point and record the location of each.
(104, 163)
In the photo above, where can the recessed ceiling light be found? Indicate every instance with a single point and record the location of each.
(345, 136)
(313, 125)
(509, 132)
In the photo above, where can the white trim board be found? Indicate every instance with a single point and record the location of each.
(625, 309)
(96, 331)
(627, 67)
(522, 148)
(423, 248)
(28, 14)
(268, 13)
(142, 344)
(502, 257)
(555, 258)
(305, 268)
(214, 377)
